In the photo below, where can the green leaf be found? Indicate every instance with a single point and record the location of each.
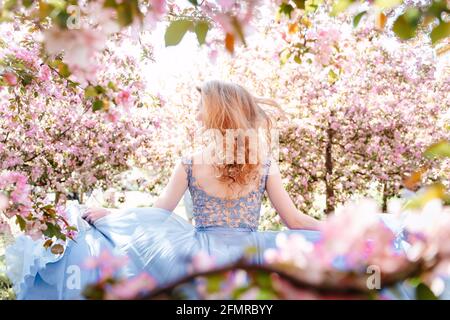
(214, 283)
(300, 3)
(100, 89)
(60, 4)
(90, 92)
(251, 250)
(237, 26)
(110, 4)
(51, 230)
(332, 76)
(27, 3)
(423, 292)
(357, 18)
(263, 280)
(441, 31)
(340, 6)
(412, 15)
(176, 31)
(201, 29)
(26, 78)
(284, 56)
(63, 69)
(194, 2)
(406, 24)
(238, 292)
(437, 7)
(73, 228)
(21, 222)
(386, 4)
(439, 149)
(415, 281)
(61, 18)
(124, 14)
(312, 5)
(402, 29)
(48, 243)
(266, 294)
(431, 192)
(286, 8)
(49, 209)
(45, 9)
(94, 292)
(9, 4)
(112, 86)
(97, 105)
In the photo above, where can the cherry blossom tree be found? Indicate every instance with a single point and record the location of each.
(54, 139)
(362, 107)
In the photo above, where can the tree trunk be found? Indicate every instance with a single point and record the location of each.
(57, 196)
(385, 197)
(81, 196)
(330, 202)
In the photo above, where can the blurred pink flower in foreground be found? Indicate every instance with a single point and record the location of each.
(202, 261)
(112, 115)
(107, 264)
(356, 237)
(10, 78)
(132, 288)
(357, 233)
(79, 47)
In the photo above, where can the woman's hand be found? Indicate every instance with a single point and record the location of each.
(282, 203)
(93, 214)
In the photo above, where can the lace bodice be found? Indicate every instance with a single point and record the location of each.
(213, 211)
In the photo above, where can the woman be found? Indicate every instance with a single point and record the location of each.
(226, 195)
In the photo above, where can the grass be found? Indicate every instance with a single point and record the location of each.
(6, 291)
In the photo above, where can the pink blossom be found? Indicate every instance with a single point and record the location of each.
(25, 55)
(131, 288)
(293, 249)
(202, 261)
(44, 73)
(107, 264)
(124, 98)
(112, 115)
(212, 55)
(224, 21)
(226, 4)
(4, 202)
(4, 227)
(158, 7)
(34, 230)
(10, 78)
(79, 46)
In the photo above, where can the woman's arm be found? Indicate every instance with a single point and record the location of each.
(174, 190)
(282, 203)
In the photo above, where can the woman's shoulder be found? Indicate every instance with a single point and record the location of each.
(186, 159)
(196, 157)
(271, 165)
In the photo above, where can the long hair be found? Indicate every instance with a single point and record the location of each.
(231, 110)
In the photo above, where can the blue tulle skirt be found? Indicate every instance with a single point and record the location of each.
(156, 241)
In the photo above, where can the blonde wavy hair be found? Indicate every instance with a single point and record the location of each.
(230, 106)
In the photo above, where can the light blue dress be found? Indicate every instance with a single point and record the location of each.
(155, 240)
